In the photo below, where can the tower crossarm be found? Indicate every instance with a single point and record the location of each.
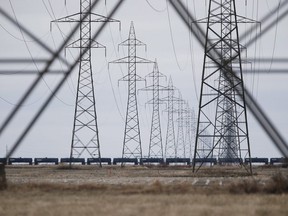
(215, 19)
(136, 41)
(77, 18)
(93, 44)
(135, 78)
(126, 60)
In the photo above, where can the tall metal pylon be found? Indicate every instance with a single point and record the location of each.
(188, 140)
(188, 131)
(222, 109)
(85, 137)
(155, 142)
(193, 123)
(170, 144)
(132, 141)
(180, 111)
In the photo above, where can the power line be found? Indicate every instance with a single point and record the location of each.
(155, 9)
(114, 96)
(255, 53)
(275, 36)
(24, 105)
(172, 40)
(31, 56)
(72, 89)
(20, 39)
(111, 84)
(191, 53)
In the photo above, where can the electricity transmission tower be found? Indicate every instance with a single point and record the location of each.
(222, 109)
(193, 123)
(180, 111)
(85, 138)
(170, 145)
(132, 140)
(189, 130)
(187, 123)
(155, 143)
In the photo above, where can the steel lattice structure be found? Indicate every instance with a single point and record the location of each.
(180, 111)
(170, 143)
(193, 123)
(268, 21)
(155, 142)
(85, 135)
(132, 140)
(222, 110)
(188, 132)
(189, 124)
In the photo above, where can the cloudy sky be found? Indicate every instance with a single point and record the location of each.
(178, 55)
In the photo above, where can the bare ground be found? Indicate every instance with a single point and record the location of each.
(112, 190)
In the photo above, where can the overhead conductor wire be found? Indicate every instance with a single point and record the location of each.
(31, 56)
(109, 74)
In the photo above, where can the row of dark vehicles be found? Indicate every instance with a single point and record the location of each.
(141, 161)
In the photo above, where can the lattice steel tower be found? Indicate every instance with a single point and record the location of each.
(170, 144)
(188, 131)
(180, 111)
(85, 138)
(132, 140)
(155, 142)
(222, 111)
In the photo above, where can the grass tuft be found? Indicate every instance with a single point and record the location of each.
(278, 184)
(245, 187)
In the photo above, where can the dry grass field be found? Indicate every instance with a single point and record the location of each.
(112, 190)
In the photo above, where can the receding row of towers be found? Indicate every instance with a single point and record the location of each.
(219, 131)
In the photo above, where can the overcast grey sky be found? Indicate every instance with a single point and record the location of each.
(52, 134)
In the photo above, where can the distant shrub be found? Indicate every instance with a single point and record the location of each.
(278, 184)
(246, 186)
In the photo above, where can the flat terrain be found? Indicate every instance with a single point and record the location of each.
(173, 190)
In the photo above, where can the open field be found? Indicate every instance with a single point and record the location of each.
(112, 190)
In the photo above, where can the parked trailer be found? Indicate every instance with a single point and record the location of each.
(73, 160)
(125, 160)
(97, 160)
(281, 160)
(20, 160)
(206, 160)
(230, 160)
(151, 160)
(256, 160)
(178, 160)
(46, 160)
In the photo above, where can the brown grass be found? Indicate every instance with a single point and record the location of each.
(144, 191)
(88, 202)
(154, 188)
(278, 184)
